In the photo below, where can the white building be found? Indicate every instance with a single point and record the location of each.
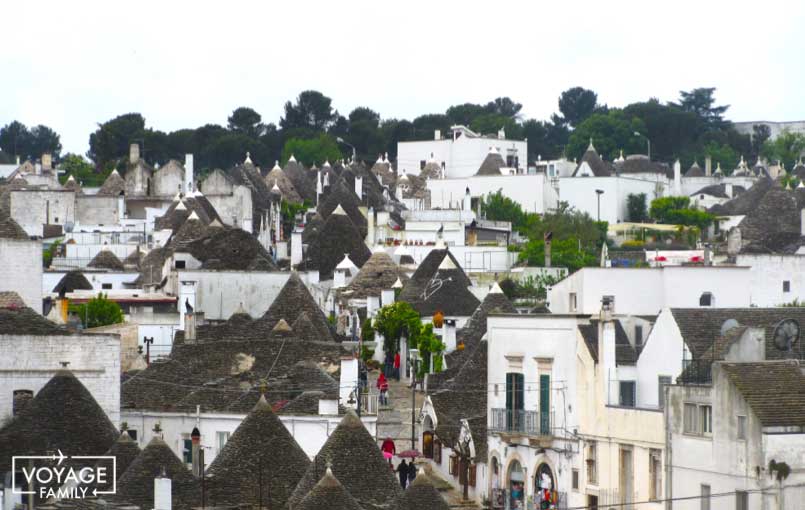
(20, 264)
(737, 441)
(775, 279)
(460, 153)
(646, 291)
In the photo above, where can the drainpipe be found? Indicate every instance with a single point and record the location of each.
(669, 491)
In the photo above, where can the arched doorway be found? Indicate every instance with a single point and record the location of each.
(516, 486)
(545, 487)
(427, 437)
(496, 492)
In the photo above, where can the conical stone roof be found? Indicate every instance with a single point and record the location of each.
(10, 229)
(494, 302)
(338, 236)
(422, 495)
(124, 450)
(277, 177)
(64, 416)
(71, 282)
(136, 486)
(357, 462)
(261, 450)
(105, 259)
(114, 185)
(291, 302)
(491, 164)
(344, 196)
(330, 494)
(377, 274)
(439, 283)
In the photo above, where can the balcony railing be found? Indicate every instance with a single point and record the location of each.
(520, 421)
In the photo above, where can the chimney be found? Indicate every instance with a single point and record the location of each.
(501, 134)
(189, 328)
(467, 200)
(189, 177)
(47, 161)
(387, 297)
(162, 493)
(449, 334)
(134, 153)
(802, 222)
(677, 178)
(606, 350)
(121, 208)
(18, 161)
(728, 189)
(348, 380)
(195, 439)
(708, 255)
(547, 238)
(359, 186)
(708, 166)
(370, 231)
(437, 134)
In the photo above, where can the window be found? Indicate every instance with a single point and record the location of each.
(705, 499)
(638, 335)
(741, 428)
(575, 479)
(220, 439)
(515, 401)
(690, 425)
(786, 286)
(706, 415)
(741, 500)
(106, 286)
(706, 299)
(573, 303)
(662, 382)
(422, 164)
(21, 399)
(627, 393)
(654, 474)
(187, 450)
(132, 434)
(180, 264)
(592, 468)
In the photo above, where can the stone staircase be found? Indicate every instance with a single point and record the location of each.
(394, 420)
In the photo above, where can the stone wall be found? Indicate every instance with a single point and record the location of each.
(21, 271)
(96, 210)
(28, 363)
(168, 180)
(33, 208)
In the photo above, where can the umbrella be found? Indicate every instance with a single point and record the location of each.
(387, 455)
(409, 454)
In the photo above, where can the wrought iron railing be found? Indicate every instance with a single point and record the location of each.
(520, 421)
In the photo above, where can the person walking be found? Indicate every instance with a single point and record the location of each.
(397, 365)
(402, 471)
(411, 472)
(388, 446)
(383, 386)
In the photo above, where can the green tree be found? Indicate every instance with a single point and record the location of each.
(425, 125)
(246, 121)
(636, 205)
(431, 349)
(363, 131)
(312, 110)
(760, 133)
(504, 106)
(677, 211)
(568, 252)
(98, 311)
(14, 139)
(577, 104)
(497, 207)
(17, 140)
(787, 148)
(464, 114)
(81, 170)
(701, 101)
(112, 138)
(672, 131)
(394, 320)
(315, 150)
(491, 123)
(610, 133)
(230, 149)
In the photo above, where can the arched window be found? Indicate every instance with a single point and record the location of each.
(707, 299)
(21, 399)
(516, 486)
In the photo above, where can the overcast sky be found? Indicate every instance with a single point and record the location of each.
(70, 65)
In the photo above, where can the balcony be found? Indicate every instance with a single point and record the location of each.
(520, 423)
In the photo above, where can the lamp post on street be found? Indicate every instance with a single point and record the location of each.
(341, 140)
(413, 361)
(641, 135)
(598, 194)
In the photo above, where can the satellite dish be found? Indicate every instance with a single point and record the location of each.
(728, 326)
(786, 334)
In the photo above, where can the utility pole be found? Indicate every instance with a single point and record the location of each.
(413, 402)
(598, 193)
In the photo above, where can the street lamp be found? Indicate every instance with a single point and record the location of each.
(598, 194)
(638, 134)
(413, 361)
(341, 140)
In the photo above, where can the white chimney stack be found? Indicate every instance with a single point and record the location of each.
(467, 200)
(677, 178)
(359, 186)
(47, 161)
(708, 166)
(162, 494)
(134, 153)
(189, 178)
(437, 134)
(802, 222)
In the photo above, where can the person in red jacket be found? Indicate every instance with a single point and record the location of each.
(397, 365)
(383, 386)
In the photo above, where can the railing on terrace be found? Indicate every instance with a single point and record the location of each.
(520, 421)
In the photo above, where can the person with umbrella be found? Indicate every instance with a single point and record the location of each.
(402, 471)
(389, 447)
(411, 472)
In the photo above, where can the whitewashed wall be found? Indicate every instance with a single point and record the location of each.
(21, 270)
(219, 293)
(29, 362)
(526, 190)
(768, 272)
